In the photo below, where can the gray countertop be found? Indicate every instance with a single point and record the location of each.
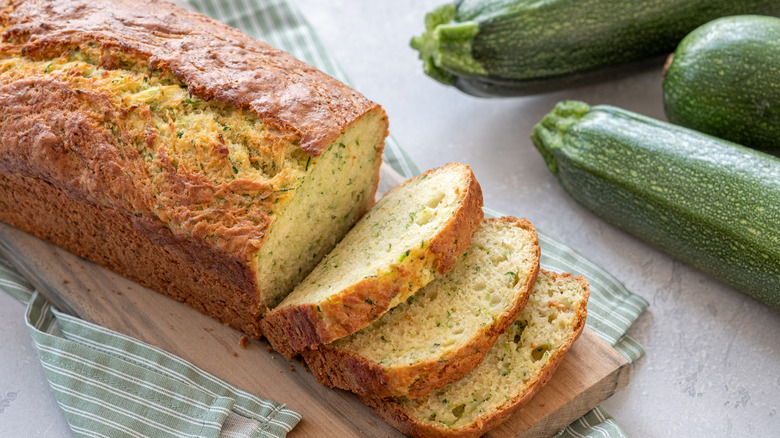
(712, 366)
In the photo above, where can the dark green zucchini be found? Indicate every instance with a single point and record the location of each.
(710, 203)
(724, 79)
(511, 48)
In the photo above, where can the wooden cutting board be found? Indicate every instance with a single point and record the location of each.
(591, 372)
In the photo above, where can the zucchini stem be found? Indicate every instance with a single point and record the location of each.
(548, 134)
(445, 46)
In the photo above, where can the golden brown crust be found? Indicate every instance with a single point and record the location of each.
(291, 329)
(392, 413)
(135, 247)
(345, 370)
(453, 240)
(215, 61)
(52, 133)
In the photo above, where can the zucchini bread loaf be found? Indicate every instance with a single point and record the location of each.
(178, 151)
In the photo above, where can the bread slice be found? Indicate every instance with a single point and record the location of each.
(418, 228)
(443, 331)
(519, 364)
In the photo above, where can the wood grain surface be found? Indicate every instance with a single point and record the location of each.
(591, 371)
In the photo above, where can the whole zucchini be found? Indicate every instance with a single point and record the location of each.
(518, 47)
(712, 204)
(724, 79)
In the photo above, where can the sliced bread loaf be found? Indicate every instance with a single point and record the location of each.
(521, 361)
(216, 170)
(418, 228)
(442, 332)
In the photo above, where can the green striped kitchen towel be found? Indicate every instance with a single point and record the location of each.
(111, 385)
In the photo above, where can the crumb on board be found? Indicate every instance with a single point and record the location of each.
(292, 368)
(268, 349)
(65, 282)
(243, 341)
(235, 354)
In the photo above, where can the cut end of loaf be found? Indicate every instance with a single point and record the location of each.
(337, 190)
